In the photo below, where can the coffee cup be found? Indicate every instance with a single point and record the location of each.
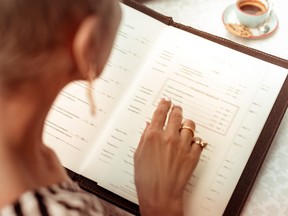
(252, 13)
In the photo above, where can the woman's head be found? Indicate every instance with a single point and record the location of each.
(31, 31)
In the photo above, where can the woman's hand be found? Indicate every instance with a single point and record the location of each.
(164, 162)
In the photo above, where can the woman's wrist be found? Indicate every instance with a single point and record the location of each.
(173, 207)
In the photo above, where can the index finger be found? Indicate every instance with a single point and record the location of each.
(160, 114)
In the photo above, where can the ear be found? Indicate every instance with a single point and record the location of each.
(85, 44)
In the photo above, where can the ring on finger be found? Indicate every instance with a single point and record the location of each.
(199, 141)
(188, 128)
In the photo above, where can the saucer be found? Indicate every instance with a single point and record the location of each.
(232, 24)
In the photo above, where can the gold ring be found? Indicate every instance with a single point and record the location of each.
(199, 141)
(188, 128)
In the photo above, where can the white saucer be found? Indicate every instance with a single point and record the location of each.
(229, 19)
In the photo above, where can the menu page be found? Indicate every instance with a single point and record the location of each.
(70, 130)
(229, 96)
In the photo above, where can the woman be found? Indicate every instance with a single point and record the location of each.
(46, 44)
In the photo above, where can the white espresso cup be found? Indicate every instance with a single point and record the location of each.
(252, 13)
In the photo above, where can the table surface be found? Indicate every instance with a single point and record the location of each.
(269, 195)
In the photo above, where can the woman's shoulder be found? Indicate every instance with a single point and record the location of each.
(60, 199)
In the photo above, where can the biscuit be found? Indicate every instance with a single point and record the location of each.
(239, 29)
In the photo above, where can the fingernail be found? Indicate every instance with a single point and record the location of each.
(147, 124)
(176, 106)
(167, 99)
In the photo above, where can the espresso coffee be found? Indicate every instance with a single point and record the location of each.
(252, 7)
(252, 13)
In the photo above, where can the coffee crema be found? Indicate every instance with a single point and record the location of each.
(252, 7)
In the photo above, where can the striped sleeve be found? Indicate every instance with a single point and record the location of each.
(59, 200)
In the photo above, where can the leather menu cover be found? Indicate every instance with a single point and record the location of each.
(261, 148)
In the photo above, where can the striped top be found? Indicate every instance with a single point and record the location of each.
(59, 199)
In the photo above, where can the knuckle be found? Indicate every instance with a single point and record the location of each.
(152, 134)
(190, 123)
(177, 115)
(171, 139)
(160, 111)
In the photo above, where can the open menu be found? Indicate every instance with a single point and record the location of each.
(227, 93)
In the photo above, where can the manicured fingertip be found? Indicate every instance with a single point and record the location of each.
(167, 99)
(146, 126)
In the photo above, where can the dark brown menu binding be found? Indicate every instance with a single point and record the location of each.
(263, 143)
(104, 194)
